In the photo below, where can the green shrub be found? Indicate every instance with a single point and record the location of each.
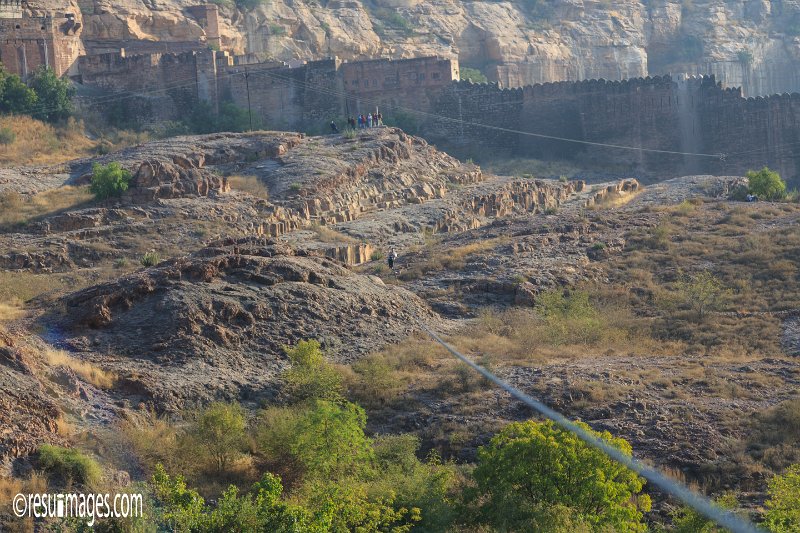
(376, 255)
(109, 180)
(745, 57)
(310, 376)
(151, 258)
(7, 136)
(687, 520)
(69, 465)
(277, 30)
(766, 184)
(569, 317)
(474, 75)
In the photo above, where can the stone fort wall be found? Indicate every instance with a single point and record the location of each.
(694, 115)
(667, 118)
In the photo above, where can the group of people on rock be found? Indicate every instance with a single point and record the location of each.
(370, 120)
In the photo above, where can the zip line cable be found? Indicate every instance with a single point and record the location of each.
(671, 487)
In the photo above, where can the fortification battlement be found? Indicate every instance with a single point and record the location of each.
(568, 88)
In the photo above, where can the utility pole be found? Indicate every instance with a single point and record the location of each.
(249, 109)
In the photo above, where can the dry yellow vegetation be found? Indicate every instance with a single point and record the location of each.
(96, 376)
(11, 309)
(18, 209)
(249, 184)
(36, 142)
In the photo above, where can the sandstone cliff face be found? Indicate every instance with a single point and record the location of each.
(751, 43)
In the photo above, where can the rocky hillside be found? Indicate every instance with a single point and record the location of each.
(752, 43)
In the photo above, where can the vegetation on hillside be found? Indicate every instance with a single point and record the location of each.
(109, 180)
(766, 184)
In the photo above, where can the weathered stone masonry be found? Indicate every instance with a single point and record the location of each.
(30, 42)
(659, 114)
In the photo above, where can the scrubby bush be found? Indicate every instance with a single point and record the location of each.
(766, 184)
(534, 476)
(203, 118)
(702, 292)
(218, 433)
(570, 317)
(310, 376)
(151, 258)
(69, 465)
(7, 135)
(109, 180)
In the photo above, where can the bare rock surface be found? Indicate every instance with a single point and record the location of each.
(216, 321)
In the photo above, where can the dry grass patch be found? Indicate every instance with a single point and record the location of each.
(327, 234)
(98, 377)
(249, 184)
(11, 309)
(448, 259)
(18, 209)
(36, 483)
(39, 143)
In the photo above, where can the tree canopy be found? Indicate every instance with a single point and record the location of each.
(536, 476)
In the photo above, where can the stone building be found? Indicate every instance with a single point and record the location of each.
(27, 42)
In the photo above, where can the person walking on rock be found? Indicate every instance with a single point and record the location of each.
(369, 120)
(392, 258)
(334, 127)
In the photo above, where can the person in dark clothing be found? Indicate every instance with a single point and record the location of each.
(392, 258)
(334, 127)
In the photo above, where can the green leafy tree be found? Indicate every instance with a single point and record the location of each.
(536, 476)
(54, 96)
(783, 505)
(329, 440)
(219, 434)
(109, 180)
(310, 376)
(15, 96)
(766, 184)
